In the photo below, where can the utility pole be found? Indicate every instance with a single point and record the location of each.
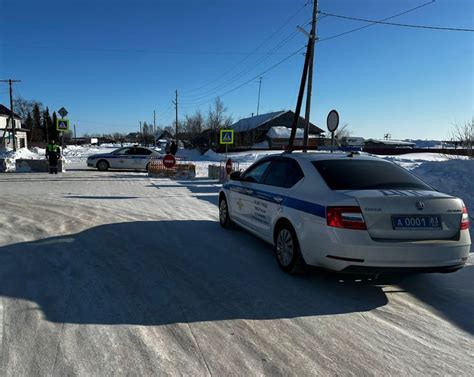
(175, 103)
(312, 40)
(75, 135)
(304, 76)
(154, 128)
(259, 88)
(12, 118)
(299, 101)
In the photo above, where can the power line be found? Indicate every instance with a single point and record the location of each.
(257, 76)
(147, 51)
(319, 40)
(237, 76)
(398, 24)
(375, 23)
(256, 49)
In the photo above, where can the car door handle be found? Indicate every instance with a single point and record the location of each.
(278, 199)
(247, 191)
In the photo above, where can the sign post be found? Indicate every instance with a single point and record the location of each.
(332, 123)
(63, 112)
(226, 138)
(62, 125)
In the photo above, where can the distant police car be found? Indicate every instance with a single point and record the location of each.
(347, 213)
(137, 158)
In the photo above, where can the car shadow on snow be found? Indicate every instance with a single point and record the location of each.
(165, 272)
(451, 295)
(202, 189)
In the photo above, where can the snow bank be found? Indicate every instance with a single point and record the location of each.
(454, 177)
(413, 160)
(11, 156)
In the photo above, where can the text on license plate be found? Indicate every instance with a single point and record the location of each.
(416, 222)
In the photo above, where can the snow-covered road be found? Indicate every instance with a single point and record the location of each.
(118, 273)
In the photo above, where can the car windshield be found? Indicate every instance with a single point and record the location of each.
(352, 174)
(121, 151)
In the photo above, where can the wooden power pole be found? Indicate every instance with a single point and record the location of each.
(312, 41)
(307, 63)
(12, 117)
(175, 102)
(259, 89)
(154, 128)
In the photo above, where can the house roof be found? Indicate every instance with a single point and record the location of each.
(251, 123)
(5, 111)
(247, 124)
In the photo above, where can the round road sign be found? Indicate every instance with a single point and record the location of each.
(332, 120)
(228, 166)
(169, 161)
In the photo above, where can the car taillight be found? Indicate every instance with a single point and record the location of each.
(464, 218)
(345, 217)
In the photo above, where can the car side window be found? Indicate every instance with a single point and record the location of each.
(256, 173)
(143, 152)
(283, 173)
(122, 152)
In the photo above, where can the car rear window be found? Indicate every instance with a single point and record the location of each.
(353, 174)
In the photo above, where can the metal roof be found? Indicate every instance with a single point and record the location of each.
(6, 112)
(251, 123)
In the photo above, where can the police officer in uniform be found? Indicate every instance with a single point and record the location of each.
(53, 154)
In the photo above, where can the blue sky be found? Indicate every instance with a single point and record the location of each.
(111, 63)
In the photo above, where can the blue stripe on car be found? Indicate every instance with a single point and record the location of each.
(300, 205)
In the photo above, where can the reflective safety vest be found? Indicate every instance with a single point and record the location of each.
(53, 148)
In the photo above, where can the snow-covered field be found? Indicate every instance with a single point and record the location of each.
(119, 273)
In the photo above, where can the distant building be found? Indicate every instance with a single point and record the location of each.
(389, 143)
(352, 141)
(133, 137)
(6, 130)
(165, 135)
(279, 136)
(255, 130)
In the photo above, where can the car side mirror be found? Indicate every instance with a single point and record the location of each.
(235, 176)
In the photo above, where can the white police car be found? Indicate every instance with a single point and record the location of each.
(135, 157)
(348, 213)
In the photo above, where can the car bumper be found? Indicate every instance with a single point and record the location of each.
(355, 251)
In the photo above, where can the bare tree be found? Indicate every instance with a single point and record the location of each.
(194, 124)
(342, 132)
(463, 135)
(23, 106)
(217, 117)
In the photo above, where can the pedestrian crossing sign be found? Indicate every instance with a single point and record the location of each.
(62, 125)
(227, 137)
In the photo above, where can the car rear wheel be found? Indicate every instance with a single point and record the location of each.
(103, 165)
(224, 218)
(287, 250)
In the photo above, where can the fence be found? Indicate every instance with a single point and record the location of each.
(182, 170)
(219, 173)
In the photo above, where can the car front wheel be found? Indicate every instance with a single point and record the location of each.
(224, 218)
(102, 165)
(287, 250)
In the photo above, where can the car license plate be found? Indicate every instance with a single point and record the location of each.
(416, 222)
